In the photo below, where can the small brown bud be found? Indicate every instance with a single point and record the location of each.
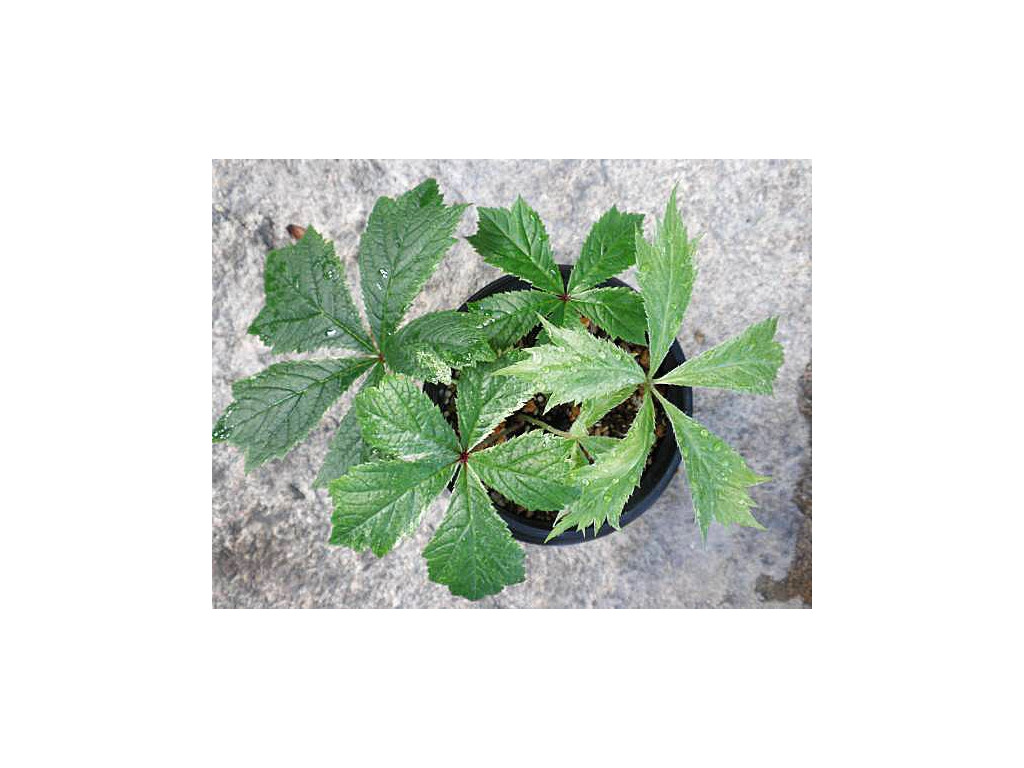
(296, 231)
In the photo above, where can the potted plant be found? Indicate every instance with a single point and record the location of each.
(575, 365)
(499, 369)
(586, 293)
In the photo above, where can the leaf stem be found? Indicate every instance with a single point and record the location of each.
(545, 425)
(559, 432)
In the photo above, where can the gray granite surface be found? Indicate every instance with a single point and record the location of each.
(270, 527)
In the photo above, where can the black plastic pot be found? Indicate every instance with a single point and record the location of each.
(666, 454)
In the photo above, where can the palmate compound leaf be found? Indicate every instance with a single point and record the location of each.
(665, 271)
(430, 346)
(484, 399)
(609, 248)
(308, 304)
(606, 485)
(275, 409)
(347, 447)
(576, 366)
(514, 240)
(398, 418)
(747, 363)
(618, 311)
(507, 317)
(718, 476)
(472, 552)
(531, 470)
(404, 241)
(377, 503)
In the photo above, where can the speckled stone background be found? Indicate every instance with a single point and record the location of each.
(270, 527)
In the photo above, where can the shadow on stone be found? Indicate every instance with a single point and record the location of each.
(797, 582)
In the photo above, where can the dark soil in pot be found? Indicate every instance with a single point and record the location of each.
(663, 460)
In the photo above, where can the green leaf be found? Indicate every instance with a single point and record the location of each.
(665, 271)
(593, 409)
(747, 363)
(532, 470)
(376, 504)
(617, 311)
(514, 240)
(472, 551)
(398, 418)
(598, 445)
(560, 316)
(276, 409)
(484, 399)
(430, 346)
(595, 446)
(347, 448)
(609, 248)
(507, 317)
(591, 412)
(606, 485)
(427, 193)
(308, 304)
(718, 476)
(576, 366)
(404, 241)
